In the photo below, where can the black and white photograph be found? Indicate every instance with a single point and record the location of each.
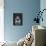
(17, 19)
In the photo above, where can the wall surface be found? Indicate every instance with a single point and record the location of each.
(1, 20)
(28, 8)
(43, 6)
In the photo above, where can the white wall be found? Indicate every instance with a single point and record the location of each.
(1, 20)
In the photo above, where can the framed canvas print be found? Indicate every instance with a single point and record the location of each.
(17, 19)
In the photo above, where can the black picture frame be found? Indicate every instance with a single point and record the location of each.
(17, 19)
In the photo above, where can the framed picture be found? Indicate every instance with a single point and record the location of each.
(17, 19)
